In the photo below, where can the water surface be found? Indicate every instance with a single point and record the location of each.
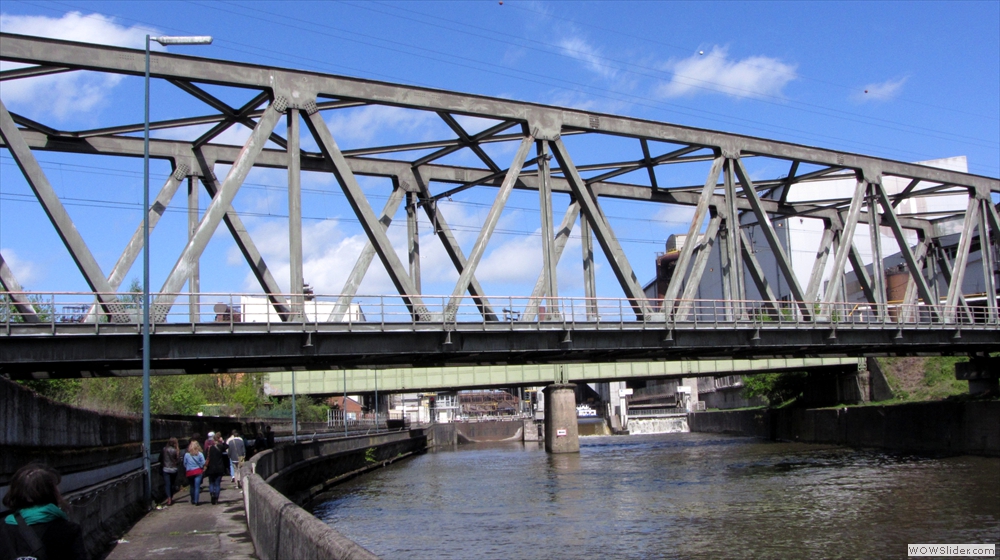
(668, 495)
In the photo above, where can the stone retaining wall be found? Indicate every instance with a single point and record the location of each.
(965, 428)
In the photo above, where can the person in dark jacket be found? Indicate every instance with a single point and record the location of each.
(38, 526)
(215, 467)
(269, 437)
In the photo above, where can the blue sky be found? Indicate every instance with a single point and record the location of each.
(902, 80)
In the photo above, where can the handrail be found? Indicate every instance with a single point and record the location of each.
(233, 310)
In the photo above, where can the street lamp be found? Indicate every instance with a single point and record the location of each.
(202, 40)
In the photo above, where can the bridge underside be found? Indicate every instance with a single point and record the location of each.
(178, 350)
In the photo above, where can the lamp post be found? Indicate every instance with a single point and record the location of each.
(202, 40)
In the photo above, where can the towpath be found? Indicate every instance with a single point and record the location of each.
(185, 531)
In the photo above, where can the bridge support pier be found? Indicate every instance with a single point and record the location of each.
(561, 432)
(982, 373)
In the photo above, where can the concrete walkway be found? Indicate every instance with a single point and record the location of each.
(192, 533)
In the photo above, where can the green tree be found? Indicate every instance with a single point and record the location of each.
(776, 388)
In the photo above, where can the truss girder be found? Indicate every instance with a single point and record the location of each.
(727, 198)
(100, 58)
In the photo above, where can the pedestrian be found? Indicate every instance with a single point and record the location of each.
(269, 437)
(209, 442)
(169, 461)
(194, 463)
(215, 468)
(38, 526)
(237, 450)
(259, 443)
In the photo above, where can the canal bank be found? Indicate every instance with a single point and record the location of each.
(951, 427)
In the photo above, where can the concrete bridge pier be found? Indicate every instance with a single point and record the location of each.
(561, 432)
(982, 373)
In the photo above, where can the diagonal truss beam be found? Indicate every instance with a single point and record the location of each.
(218, 208)
(764, 221)
(602, 230)
(757, 273)
(451, 246)
(915, 267)
(364, 260)
(846, 245)
(10, 285)
(247, 247)
(819, 265)
(53, 207)
(703, 250)
(962, 255)
(479, 248)
(160, 203)
(680, 270)
(369, 222)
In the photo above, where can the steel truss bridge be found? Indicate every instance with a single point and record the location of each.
(469, 326)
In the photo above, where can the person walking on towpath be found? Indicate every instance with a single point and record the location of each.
(215, 467)
(38, 527)
(237, 450)
(194, 463)
(169, 460)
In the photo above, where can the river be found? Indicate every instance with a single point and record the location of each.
(664, 496)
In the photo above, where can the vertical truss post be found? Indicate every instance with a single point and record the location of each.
(565, 228)
(764, 221)
(219, 207)
(545, 208)
(602, 229)
(846, 244)
(295, 280)
(412, 236)
(962, 256)
(732, 266)
(479, 248)
(356, 197)
(589, 282)
(946, 272)
(878, 260)
(194, 279)
(913, 263)
(680, 270)
(986, 251)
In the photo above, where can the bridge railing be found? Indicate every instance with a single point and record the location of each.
(54, 308)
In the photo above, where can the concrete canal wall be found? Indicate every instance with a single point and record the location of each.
(279, 479)
(963, 428)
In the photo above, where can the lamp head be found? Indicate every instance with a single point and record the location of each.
(192, 40)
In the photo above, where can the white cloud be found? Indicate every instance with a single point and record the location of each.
(355, 127)
(591, 56)
(883, 91)
(755, 76)
(71, 94)
(24, 271)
